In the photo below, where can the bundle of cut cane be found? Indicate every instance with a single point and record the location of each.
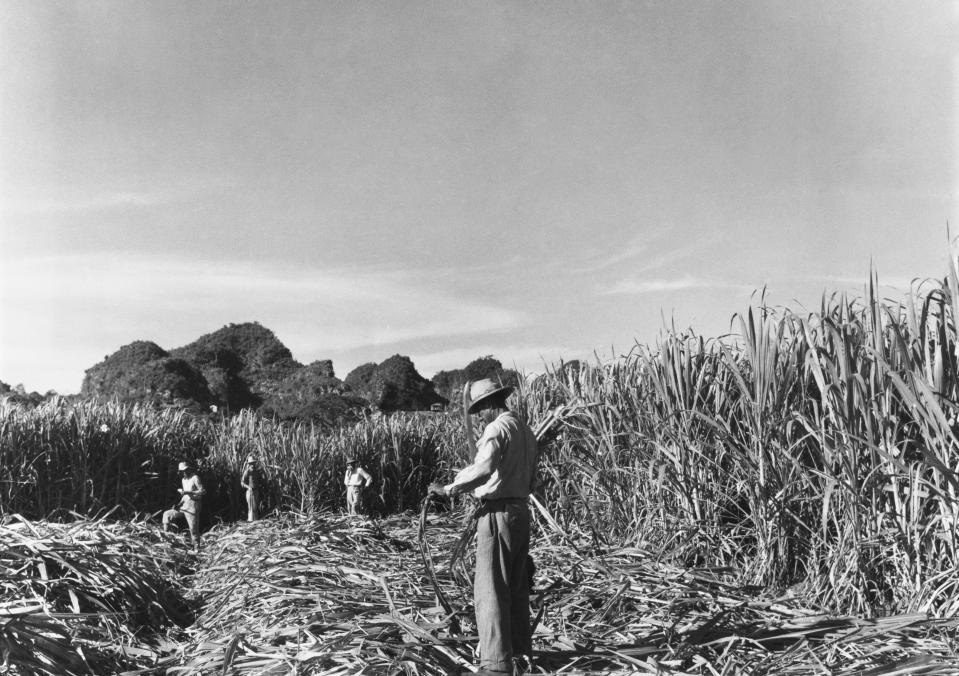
(88, 595)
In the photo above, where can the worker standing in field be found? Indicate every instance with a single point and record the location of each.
(250, 481)
(191, 500)
(501, 477)
(356, 480)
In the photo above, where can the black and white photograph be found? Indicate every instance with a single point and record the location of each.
(479, 337)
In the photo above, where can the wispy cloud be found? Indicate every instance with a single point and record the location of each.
(170, 300)
(651, 250)
(636, 286)
(27, 201)
(633, 250)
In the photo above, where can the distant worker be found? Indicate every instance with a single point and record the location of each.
(501, 477)
(189, 505)
(356, 480)
(250, 481)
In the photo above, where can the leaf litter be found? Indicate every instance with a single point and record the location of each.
(332, 594)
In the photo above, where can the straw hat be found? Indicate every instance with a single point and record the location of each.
(481, 390)
(183, 467)
(250, 459)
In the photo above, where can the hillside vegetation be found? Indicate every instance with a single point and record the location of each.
(246, 367)
(449, 384)
(143, 371)
(393, 385)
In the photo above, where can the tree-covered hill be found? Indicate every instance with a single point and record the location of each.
(245, 366)
(313, 392)
(243, 363)
(393, 385)
(143, 371)
(449, 384)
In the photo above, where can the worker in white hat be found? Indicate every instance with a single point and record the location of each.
(501, 477)
(188, 507)
(356, 480)
(249, 481)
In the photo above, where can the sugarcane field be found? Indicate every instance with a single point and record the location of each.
(479, 338)
(783, 503)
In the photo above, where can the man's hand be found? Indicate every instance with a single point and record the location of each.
(437, 489)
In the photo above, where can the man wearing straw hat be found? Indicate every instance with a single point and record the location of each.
(191, 499)
(356, 480)
(501, 477)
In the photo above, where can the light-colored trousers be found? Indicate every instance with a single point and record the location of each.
(192, 522)
(354, 499)
(500, 585)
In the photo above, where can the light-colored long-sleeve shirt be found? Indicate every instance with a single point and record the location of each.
(505, 463)
(358, 477)
(192, 495)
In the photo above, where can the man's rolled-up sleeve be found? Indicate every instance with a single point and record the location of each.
(489, 451)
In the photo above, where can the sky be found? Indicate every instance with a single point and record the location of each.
(447, 180)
